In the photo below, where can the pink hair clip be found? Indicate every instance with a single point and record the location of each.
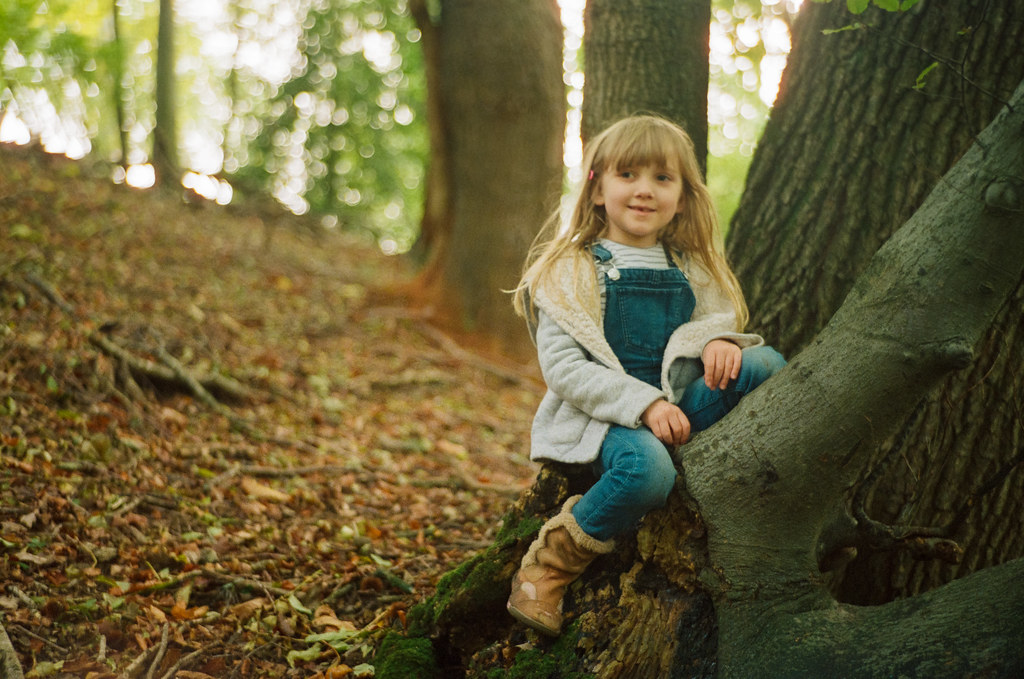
(590, 176)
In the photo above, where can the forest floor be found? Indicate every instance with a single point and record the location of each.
(225, 449)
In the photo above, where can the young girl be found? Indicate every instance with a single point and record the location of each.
(637, 321)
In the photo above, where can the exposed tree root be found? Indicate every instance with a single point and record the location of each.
(173, 372)
(169, 370)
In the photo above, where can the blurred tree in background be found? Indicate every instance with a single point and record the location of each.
(165, 129)
(656, 66)
(497, 128)
(320, 104)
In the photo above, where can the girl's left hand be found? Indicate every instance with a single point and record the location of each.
(722, 361)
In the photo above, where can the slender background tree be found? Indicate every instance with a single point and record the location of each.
(165, 132)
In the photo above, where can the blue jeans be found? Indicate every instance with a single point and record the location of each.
(635, 470)
(704, 407)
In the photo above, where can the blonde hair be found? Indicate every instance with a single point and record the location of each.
(637, 141)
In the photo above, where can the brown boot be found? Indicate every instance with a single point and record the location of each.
(557, 557)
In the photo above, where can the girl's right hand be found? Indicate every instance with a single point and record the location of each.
(668, 422)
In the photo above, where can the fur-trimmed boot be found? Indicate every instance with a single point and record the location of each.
(557, 557)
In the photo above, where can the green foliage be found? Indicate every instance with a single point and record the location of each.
(59, 67)
(345, 135)
(920, 82)
(861, 6)
(42, 52)
(726, 178)
(742, 46)
(340, 130)
(557, 661)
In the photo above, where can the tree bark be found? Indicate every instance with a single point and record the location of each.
(649, 57)
(893, 339)
(503, 105)
(850, 151)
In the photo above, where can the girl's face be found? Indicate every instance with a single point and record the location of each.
(640, 202)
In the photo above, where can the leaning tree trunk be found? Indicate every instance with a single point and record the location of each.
(851, 150)
(772, 482)
(503, 103)
(647, 57)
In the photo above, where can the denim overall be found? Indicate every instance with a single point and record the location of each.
(636, 473)
(642, 309)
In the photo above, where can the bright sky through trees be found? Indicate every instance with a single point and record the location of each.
(748, 48)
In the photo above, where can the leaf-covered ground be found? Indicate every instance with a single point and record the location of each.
(159, 520)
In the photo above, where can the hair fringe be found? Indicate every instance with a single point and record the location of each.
(634, 141)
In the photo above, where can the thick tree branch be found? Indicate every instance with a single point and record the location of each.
(972, 627)
(927, 297)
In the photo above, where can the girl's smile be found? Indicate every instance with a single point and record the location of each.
(640, 202)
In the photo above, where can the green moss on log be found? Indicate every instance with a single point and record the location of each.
(401, 657)
(557, 661)
(475, 582)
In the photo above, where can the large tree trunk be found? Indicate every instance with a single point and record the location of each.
(772, 482)
(503, 105)
(850, 151)
(647, 57)
(769, 481)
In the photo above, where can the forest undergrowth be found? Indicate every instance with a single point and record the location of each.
(225, 449)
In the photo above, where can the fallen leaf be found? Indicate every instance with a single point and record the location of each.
(183, 612)
(157, 615)
(325, 619)
(172, 416)
(247, 609)
(28, 557)
(255, 489)
(29, 519)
